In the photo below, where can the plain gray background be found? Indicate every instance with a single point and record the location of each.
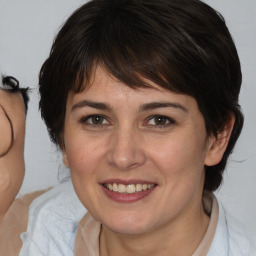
(27, 29)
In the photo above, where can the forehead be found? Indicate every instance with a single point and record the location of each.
(103, 87)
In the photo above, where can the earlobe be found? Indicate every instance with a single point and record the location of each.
(218, 144)
(63, 150)
(64, 158)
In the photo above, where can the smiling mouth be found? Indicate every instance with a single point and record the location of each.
(128, 189)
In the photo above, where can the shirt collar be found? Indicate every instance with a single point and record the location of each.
(88, 232)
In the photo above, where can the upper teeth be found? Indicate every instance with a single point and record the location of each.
(131, 188)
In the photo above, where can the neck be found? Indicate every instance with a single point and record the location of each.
(178, 238)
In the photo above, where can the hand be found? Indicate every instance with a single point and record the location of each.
(13, 105)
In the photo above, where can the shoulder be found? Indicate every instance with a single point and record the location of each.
(52, 223)
(230, 238)
(239, 241)
(14, 223)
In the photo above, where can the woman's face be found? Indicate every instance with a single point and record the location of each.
(136, 156)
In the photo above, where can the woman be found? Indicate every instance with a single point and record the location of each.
(142, 99)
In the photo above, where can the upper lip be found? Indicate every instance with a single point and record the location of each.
(127, 182)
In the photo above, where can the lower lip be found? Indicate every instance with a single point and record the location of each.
(127, 198)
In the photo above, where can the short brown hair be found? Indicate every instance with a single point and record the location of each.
(181, 45)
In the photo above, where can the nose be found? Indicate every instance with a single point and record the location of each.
(126, 150)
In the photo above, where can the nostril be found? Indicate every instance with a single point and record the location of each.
(126, 158)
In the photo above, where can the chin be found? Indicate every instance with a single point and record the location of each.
(129, 225)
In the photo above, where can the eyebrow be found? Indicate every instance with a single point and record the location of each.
(155, 105)
(144, 107)
(92, 104)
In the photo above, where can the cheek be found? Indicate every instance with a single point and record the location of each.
(83, 154)
(181, 162)
(177, 153)
(80, 160)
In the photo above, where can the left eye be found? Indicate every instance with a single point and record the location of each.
(160, 121)
(95, 120)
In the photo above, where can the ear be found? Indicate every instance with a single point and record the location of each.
(65, 158)
(64, 154)
(63, 150)
(217, 144)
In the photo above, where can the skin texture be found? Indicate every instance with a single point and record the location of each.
(12, 164)
(128, 144)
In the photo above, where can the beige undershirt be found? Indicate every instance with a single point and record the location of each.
(88, 233)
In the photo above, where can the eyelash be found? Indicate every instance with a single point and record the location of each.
(104, 122)
(85, 120)
(168, 121)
